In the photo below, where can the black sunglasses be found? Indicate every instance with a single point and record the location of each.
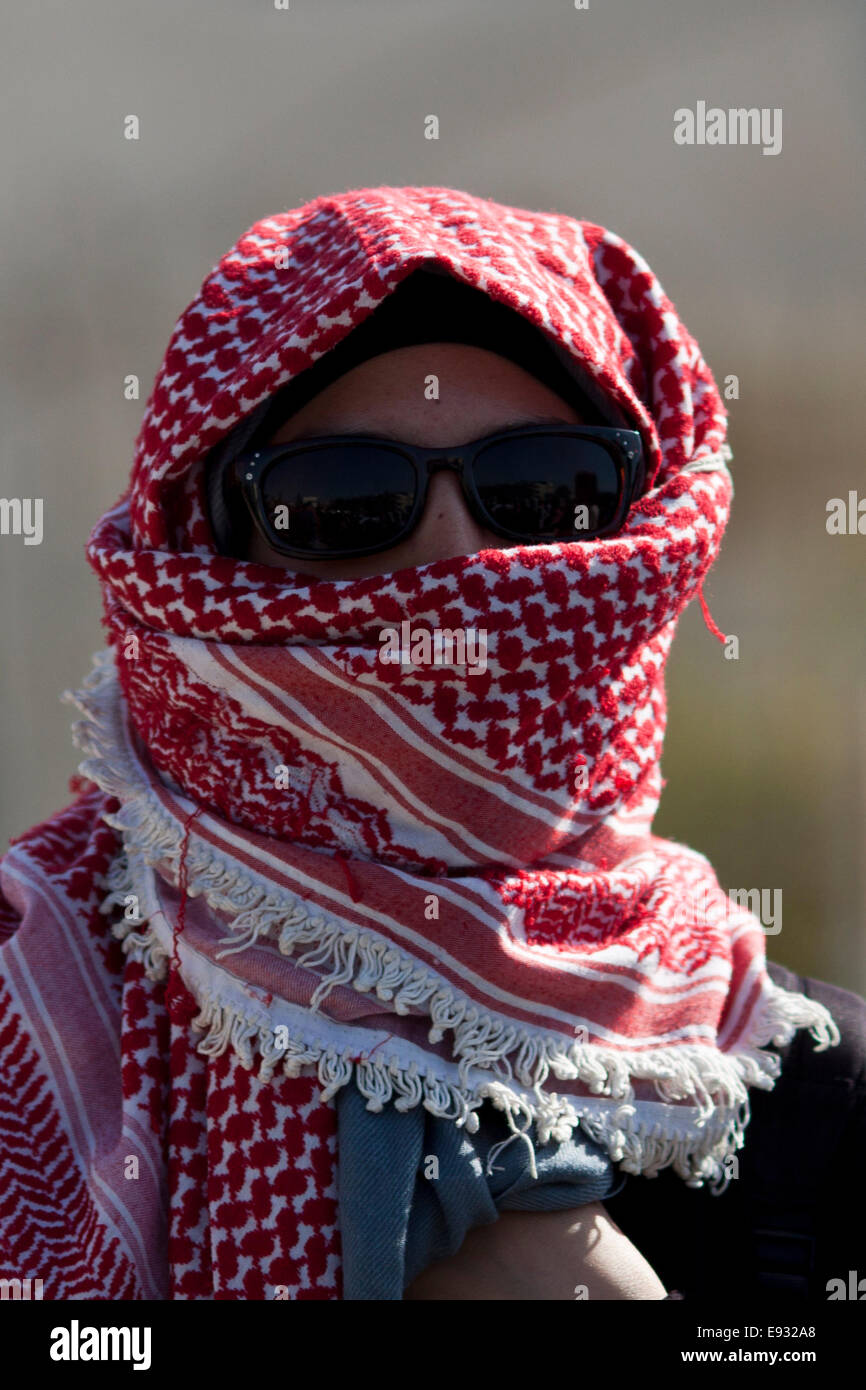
(347, 495)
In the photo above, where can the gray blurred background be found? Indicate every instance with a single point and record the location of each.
(246, 110)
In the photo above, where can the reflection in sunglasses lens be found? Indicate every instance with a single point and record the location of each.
(339, 497)
(549, 486)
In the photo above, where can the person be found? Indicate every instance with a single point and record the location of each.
(355, 971)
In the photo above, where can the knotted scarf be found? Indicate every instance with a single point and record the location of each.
(295, 865)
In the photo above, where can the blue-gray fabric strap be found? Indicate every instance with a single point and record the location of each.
(412, 1186)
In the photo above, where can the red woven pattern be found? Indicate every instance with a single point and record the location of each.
(252, 1173)
(50, 1227)
(221, 1144)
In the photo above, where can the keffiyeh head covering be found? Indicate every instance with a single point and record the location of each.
(319, 868)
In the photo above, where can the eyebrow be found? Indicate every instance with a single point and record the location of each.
(516, 423)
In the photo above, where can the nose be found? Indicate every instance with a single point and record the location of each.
(439, 465)
(447, 527)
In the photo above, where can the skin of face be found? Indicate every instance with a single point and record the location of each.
(479, 394)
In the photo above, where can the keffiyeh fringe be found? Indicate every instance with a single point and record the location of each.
(495, 1058)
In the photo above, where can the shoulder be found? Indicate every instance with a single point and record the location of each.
(843, 1065)
(791, 1221)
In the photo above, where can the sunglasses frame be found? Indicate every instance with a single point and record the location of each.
(624, 446)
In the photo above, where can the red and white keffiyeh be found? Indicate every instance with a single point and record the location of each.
(322, 868)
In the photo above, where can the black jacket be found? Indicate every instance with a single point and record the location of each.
(795, 1217)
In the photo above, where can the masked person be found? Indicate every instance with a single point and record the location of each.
(355, 971)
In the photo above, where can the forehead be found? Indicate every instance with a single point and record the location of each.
(429, 387)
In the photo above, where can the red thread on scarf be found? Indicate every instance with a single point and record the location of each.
(181, 1006)
(342, 855)
(365, 1057)
(708, 617)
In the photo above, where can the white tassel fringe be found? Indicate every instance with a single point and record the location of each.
(490, 1052)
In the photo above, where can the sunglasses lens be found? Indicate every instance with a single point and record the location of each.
(342, 497)
(549, 486)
